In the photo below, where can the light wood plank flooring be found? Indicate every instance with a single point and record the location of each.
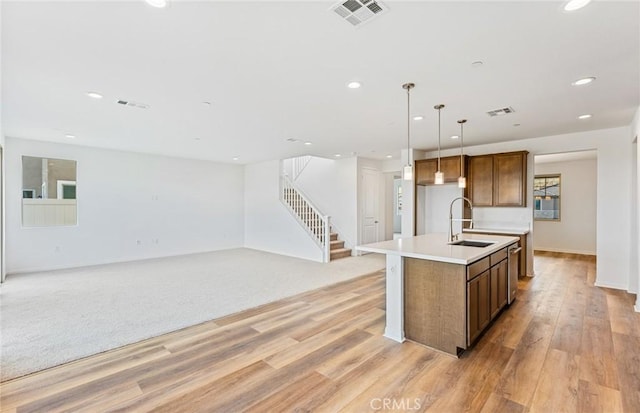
(564, 345)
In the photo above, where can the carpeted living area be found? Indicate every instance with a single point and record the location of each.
(50, 318)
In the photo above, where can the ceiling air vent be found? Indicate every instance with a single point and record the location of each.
(132, 104)
(358, 12)
(500, 112)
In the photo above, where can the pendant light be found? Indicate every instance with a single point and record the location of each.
(407, 171)
(439, 178)
(462, 181)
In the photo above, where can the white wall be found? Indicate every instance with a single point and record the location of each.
(332, 185)
(268, 225)
(613, 200)
(188, 206)
(576, 230)
(635, 237)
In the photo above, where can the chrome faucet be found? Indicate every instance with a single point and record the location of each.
(451, 237)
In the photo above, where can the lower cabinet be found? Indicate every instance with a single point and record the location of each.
(499, 287)
(447, 306)
(478, 316)
(487, 292)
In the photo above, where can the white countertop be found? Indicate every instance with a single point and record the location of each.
(434, 247)
(506, 231)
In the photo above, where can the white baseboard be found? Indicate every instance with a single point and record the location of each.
(637, 307)
(612, 286)
(563, 250)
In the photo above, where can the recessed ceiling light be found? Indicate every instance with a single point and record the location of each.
(455, 137)
(576, 4)
(389, 156)
(337, 155)
(94, 95)
(354, 85)
(197, 139)
(308, 143)
(583, 81)
(418, 117)
(205, 103)
(157, 3)
(235, 158)
(584, 116)
(516, 124)
(70, 136)
(477, 63)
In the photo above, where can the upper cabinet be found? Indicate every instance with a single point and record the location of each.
(449, 166)
(480, 180)
(510, 179)
(498, 180)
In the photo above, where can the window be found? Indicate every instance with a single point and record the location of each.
(546, 197)
(48, 192)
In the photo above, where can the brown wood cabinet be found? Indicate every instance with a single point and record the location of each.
(509, 179)
(447, 306)
(449, 166)
(499, 287)
(522, 262)
(498, 179)
(480, 180)
(487, 291)
(478, 313)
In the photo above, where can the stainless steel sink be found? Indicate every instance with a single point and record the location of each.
(470, 243)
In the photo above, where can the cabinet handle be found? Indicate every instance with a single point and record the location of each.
(516, 250)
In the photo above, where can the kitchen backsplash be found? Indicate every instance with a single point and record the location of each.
(499, 218)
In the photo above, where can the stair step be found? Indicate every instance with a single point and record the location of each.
(340, 253)
(333, 236)
(336, 245)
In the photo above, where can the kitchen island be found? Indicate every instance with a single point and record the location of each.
(443, 295)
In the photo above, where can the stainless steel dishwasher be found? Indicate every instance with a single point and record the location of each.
(514, 267)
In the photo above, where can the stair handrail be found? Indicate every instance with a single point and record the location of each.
(319, 231)
(299, 163)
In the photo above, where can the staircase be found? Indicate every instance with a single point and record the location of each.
(337, 249)
(316, 224)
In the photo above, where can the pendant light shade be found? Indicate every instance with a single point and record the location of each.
(462, 181)
(407, 171)
(439, 177)
(439, 180)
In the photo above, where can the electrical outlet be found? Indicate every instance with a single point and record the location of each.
(138, 242)
(57, 249)
(156, 241)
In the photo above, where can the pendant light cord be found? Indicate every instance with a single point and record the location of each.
(439, 109)
(461, 141)
(408, 124)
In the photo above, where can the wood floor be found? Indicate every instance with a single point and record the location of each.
(564, 345)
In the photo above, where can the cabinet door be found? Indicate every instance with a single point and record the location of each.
(510, 172)
(477, 305)
(484, 316)
(494, 306)
(472, 311)
(425, 171)
(503, 286)
(523, 256)
(450, 167)
(481, 180)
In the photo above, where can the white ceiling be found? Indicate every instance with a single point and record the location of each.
(278, 70)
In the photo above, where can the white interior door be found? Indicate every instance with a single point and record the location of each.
(370, 201)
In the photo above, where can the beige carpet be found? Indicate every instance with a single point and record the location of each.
(50, 318)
